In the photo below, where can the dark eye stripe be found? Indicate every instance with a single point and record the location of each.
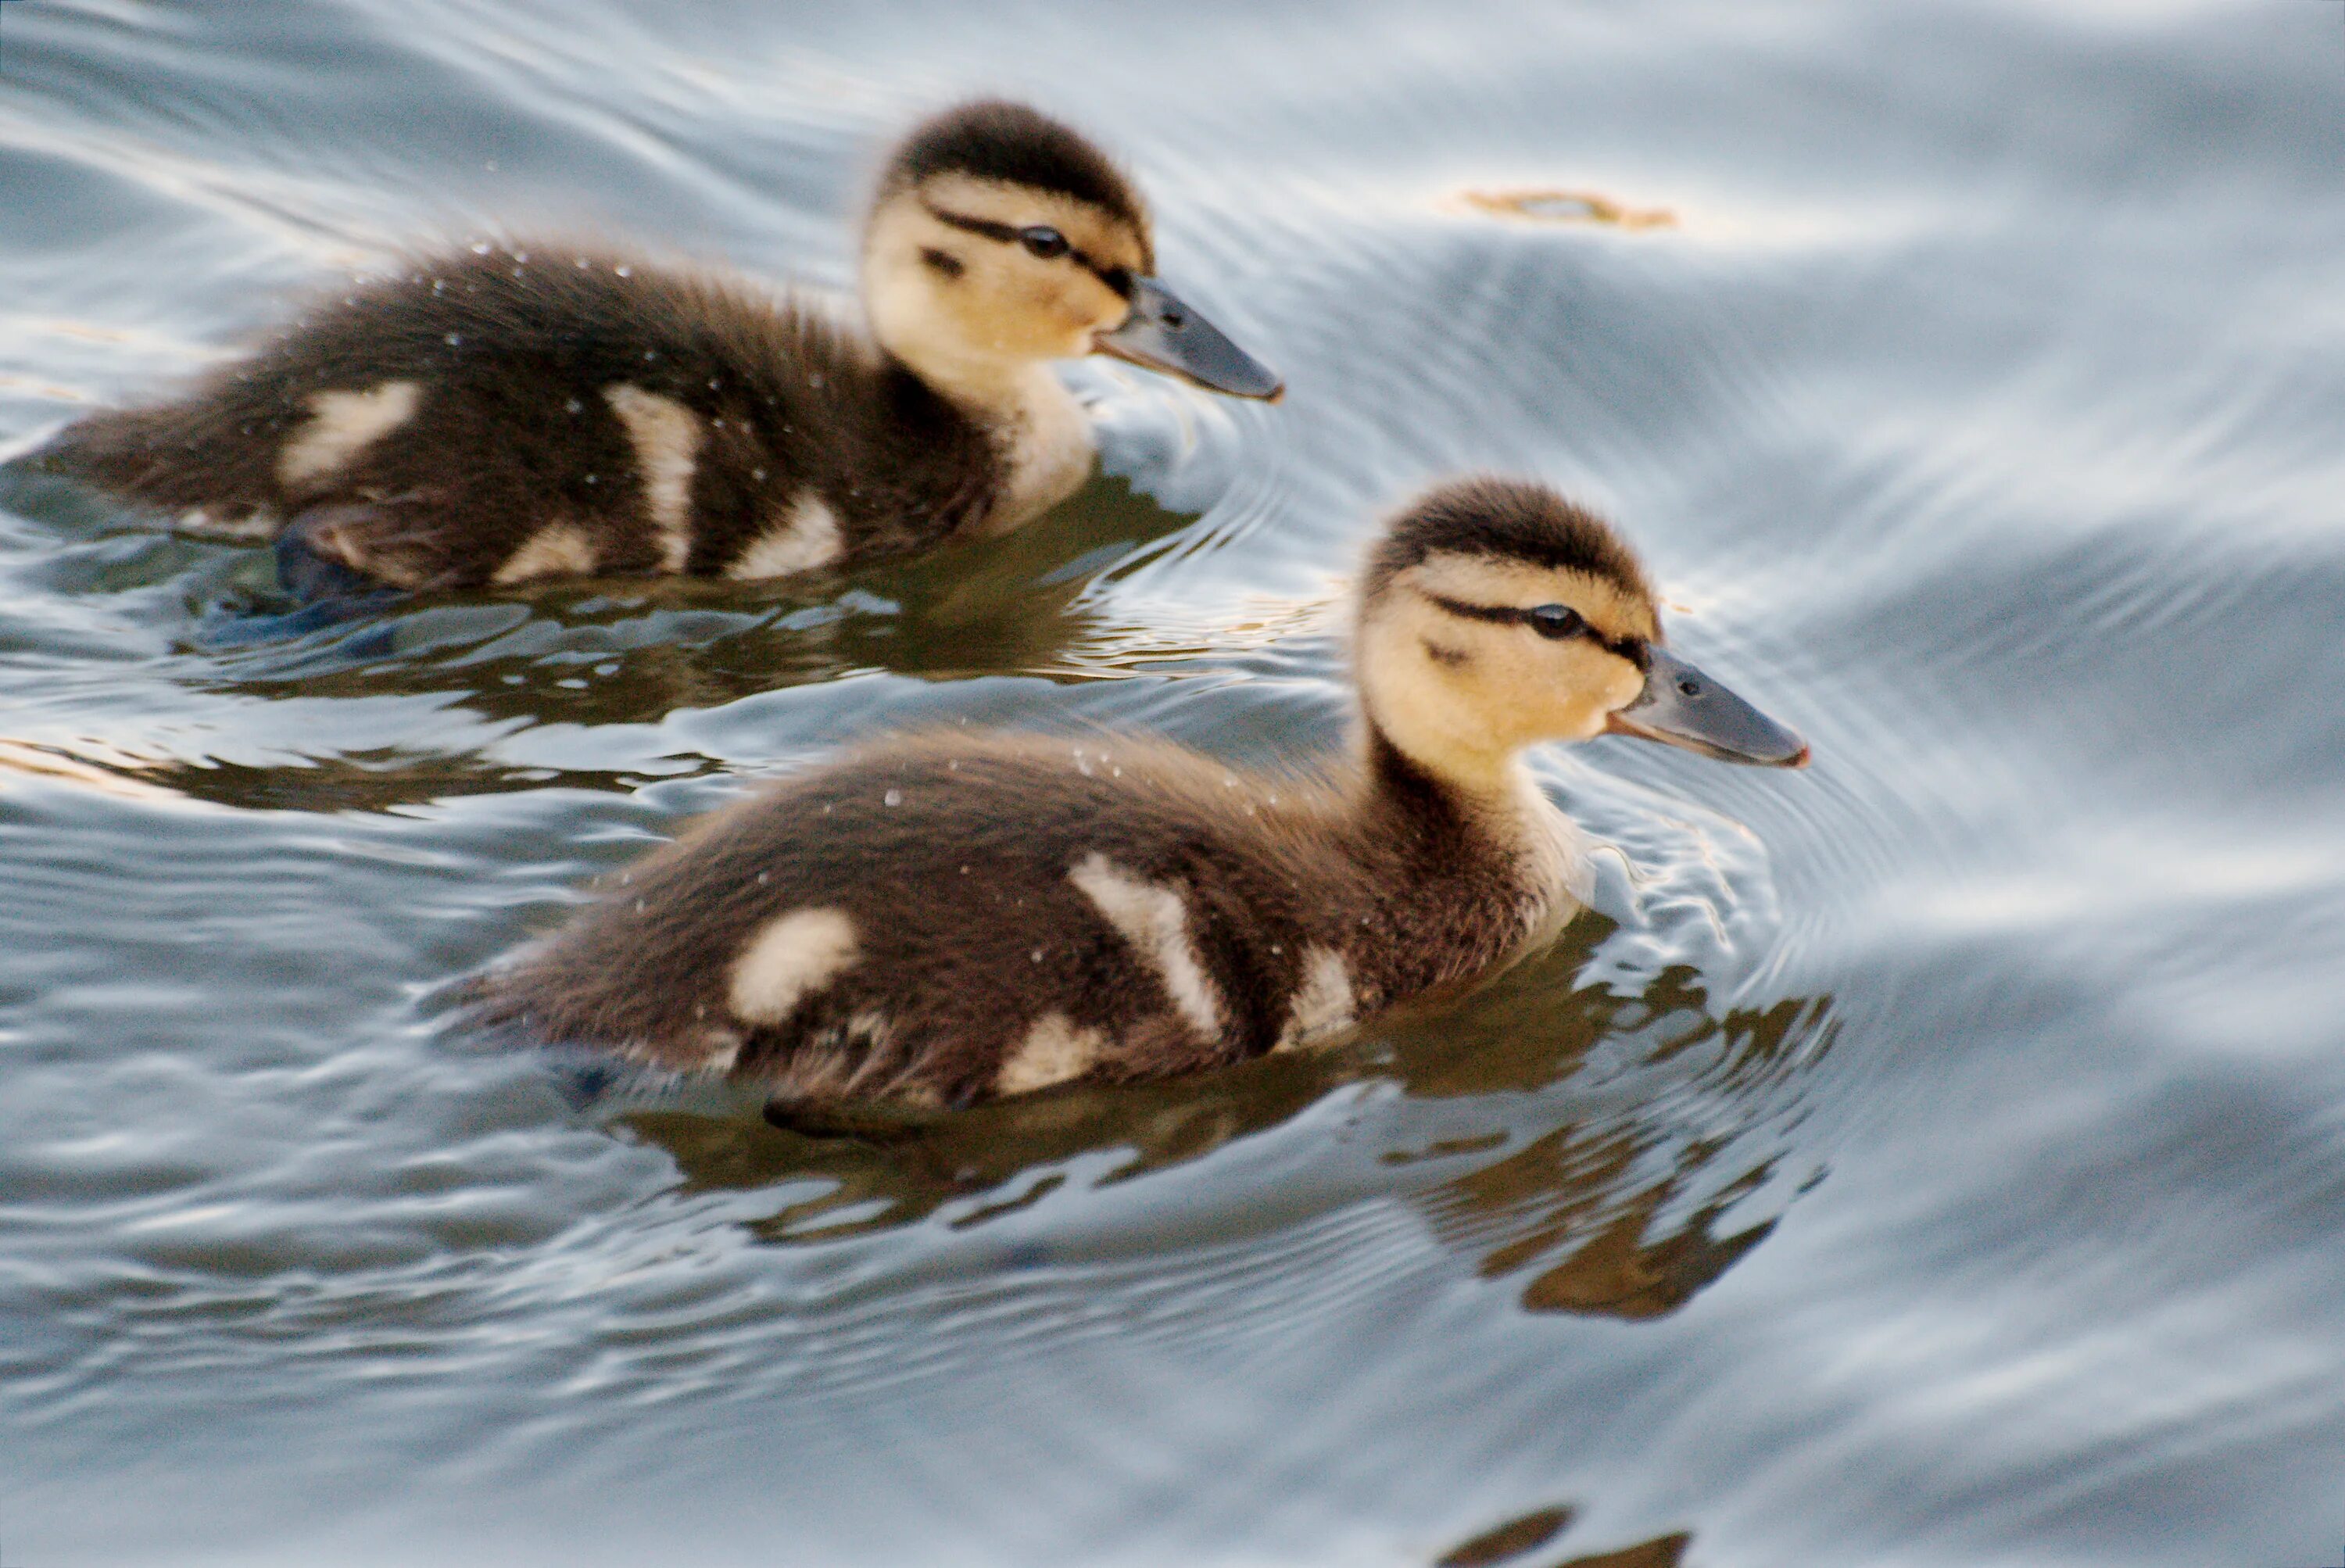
(1118, 278)
(1634, 649)
(985, 226)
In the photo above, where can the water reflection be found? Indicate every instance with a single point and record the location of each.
(1510, 1136)
(626, 652)
(1662, 1551)
(1603, 1206)
(1519, 1537)
(588, 656)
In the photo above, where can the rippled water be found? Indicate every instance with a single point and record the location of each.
(1935, 1158)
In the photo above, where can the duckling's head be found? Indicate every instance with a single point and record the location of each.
(1001, 238)
(1493, 614)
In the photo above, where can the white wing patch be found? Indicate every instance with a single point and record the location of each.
(807, 536)
(261, 522)
(556, 550)
(724, 1051)
(1155, 922)
(793, 956)
(842, 1060)
(341, 425)
(1322, 1005)
(343, 542)
(1052, 1052)
(666, 437)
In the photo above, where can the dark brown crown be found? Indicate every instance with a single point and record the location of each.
(994, 139)
(1505, 519)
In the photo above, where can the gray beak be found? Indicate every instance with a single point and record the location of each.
(1683, 707)
(1165, 334)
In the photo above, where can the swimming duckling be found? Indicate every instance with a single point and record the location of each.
(515, 412)
(947, 918)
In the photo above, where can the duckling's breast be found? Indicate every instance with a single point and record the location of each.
(1047, 447)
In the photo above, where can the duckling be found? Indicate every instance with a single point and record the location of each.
(947, 918)
(512, 413)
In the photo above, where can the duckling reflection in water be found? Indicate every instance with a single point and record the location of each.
(943, 918)
(519, 412)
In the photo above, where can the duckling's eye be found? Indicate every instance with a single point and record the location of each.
(1042, 241)
(1555, 621)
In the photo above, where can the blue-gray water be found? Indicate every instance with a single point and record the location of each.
(1936, 1158)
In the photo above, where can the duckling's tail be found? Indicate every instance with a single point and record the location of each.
(210, 474)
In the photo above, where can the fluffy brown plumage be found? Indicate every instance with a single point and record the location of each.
(956, 864)
(514, 431)
(943, 918)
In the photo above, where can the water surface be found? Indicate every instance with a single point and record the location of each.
(1935, 1158)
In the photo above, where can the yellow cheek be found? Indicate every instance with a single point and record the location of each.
(1027, 316)
(1595, 694)
(1067, 314)
(1091, 306)
(1577, 719)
